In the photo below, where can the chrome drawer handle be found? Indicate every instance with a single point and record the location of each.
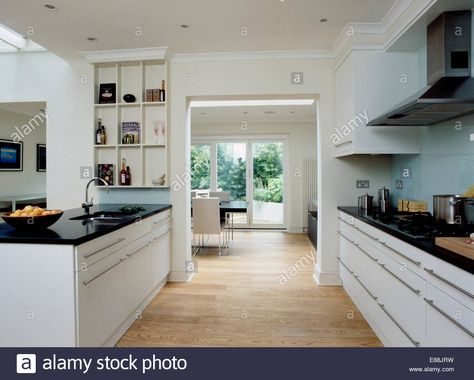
(399, 253)
(367, 254)
(104, 272)
(345, 266)
(345, 237)
(398, 325)
(432, 272)
(366, 234)
(100, 250)
(416, 291)
(345, 221)
(365, 288)
(446, 315)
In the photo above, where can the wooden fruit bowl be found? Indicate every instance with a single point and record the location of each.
(32, 222)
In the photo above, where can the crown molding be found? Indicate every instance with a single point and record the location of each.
(254, 55)
(155, 53)
(354, 36)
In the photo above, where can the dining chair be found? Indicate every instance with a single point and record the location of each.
(207, 221)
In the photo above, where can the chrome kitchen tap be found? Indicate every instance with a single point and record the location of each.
(88, 204)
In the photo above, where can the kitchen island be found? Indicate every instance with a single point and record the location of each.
(83, 281)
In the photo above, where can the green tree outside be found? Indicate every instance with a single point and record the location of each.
(268, 171)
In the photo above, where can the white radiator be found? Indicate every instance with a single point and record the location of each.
(310, 188)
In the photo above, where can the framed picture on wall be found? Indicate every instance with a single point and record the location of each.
(40, 157)
(11, 156)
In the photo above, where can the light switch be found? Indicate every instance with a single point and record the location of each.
(472, 137)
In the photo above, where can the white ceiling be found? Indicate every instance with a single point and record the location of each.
(24, 108)
(214, 25)
(254, 114)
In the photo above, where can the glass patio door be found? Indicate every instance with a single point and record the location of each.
(231, 165)
(268, 184)
(249, 170)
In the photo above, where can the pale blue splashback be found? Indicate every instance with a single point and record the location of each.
(135, 196)
(445, 165)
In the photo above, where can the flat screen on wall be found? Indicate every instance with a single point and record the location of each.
(11, 155)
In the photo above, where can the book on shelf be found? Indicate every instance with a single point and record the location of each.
(131, 132)
(106, 172)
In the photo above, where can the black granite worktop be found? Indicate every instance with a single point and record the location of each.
(427, 244)
(75, 232)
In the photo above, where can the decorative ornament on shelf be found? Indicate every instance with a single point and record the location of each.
(159, 181)
(129, 98)
(159, 129)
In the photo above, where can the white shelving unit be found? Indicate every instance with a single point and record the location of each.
(148, 160)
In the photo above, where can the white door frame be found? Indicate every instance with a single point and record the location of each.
(213, 140)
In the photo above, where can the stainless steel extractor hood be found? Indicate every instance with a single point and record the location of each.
(450, 93)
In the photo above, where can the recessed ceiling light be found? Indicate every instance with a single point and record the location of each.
(92, 39)
(323, 20)
(269, 112)
(50, 6)
(245, 113)
(184, 26)
(292, 111)
(203, 113)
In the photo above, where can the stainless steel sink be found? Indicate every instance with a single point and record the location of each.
(103, 217)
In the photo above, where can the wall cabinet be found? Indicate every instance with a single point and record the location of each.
(405, 300)
(147, 155)
(369, 83)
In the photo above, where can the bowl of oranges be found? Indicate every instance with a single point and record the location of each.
(32, 218)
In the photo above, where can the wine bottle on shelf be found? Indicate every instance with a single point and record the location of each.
(163, 91)
(98, 133)
(103, 136)
(128, 177)
(123, 174)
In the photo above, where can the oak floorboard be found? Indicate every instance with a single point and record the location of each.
(239, 301)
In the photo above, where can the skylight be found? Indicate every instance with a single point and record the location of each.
(13, 41)
(11, 38)
(240, 103)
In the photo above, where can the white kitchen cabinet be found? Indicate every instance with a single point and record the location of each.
(160, 258)
(369, 83)
(448, 322)
(409, 297)
(138, 282)
(101, 304)
(87, 295)
(119, 286)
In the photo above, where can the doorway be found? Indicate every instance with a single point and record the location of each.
(251, 170)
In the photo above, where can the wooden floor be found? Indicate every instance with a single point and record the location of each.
(243, 300)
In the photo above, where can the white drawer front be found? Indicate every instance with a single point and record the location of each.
(449, 323)
(158, 218)
(452, 280)
(95, 250)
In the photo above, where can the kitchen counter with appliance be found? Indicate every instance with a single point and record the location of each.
(391, 225)
(82, 283)
(74, 232)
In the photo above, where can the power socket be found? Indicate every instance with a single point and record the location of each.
(363, 184)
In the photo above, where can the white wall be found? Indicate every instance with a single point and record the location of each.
(69, 96)
(68, 93)
(301, 146)
(28, 181)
